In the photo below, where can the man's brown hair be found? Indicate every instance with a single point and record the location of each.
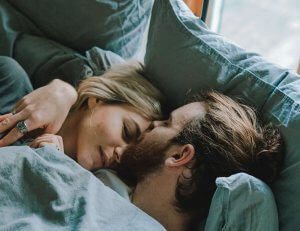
(228, 140)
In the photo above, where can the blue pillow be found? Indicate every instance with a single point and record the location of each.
(184, 57)
(115, 25)
(101, 60)
(33, 42)
(242, 202)
(44, 59)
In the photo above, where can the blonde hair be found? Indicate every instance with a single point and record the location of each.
(122, 83)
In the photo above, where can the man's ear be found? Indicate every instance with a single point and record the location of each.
(180, 156)
(92, 102)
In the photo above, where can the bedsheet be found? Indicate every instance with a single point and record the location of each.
(43, 189)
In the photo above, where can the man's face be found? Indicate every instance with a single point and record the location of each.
(162, 131)
(149, 154)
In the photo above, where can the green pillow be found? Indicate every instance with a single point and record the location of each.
(115, 25)
(184, 57)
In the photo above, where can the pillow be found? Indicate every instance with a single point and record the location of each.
(44, 60)
(115, 25)
(184, 57)
(100, 60)
(49, 59)
(242, 202)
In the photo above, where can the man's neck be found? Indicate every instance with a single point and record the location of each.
(156, 196)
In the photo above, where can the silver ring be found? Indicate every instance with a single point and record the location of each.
(22, 127)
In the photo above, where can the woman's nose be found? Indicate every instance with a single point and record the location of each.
(157, 123)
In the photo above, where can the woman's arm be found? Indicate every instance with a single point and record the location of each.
(46, 107)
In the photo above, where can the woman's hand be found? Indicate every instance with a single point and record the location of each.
(51, 139)
(46, 107)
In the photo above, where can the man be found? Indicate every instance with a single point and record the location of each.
(174, 165)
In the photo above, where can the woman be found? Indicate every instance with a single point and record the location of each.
(111, 112)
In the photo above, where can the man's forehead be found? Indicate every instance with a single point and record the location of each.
(189, 111)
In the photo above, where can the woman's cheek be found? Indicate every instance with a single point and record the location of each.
(85, 160)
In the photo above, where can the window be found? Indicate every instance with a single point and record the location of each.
(269, 27)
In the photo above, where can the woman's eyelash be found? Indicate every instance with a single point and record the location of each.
(126, 135)
(151, 126)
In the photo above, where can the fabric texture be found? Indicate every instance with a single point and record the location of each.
(44, 189)
(110, 179)
(184, 57)
(242, 202)
(52, 39)
(14, 84)
(101, 60)
(43, 59)
(114, 25)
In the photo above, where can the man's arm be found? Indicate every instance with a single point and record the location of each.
(46, 107)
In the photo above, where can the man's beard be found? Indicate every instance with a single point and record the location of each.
(140, 160)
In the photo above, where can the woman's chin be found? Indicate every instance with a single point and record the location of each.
(86, 162)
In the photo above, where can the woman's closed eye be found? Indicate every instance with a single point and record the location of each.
(150, 127)
(131, 131)
(127, 137)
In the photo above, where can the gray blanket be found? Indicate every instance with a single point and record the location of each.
(43, 189)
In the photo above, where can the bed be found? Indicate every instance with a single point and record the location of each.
(77, 39)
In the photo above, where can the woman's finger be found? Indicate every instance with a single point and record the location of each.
(21, 104)
(10, 121)
(42, 144)
(48, 138)
(3, 117)
(11, 137)
(40, 139)
(51, 139)
(14, 134)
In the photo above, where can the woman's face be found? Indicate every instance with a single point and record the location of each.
(105, 131)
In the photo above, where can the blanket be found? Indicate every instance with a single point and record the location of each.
(43, 189)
